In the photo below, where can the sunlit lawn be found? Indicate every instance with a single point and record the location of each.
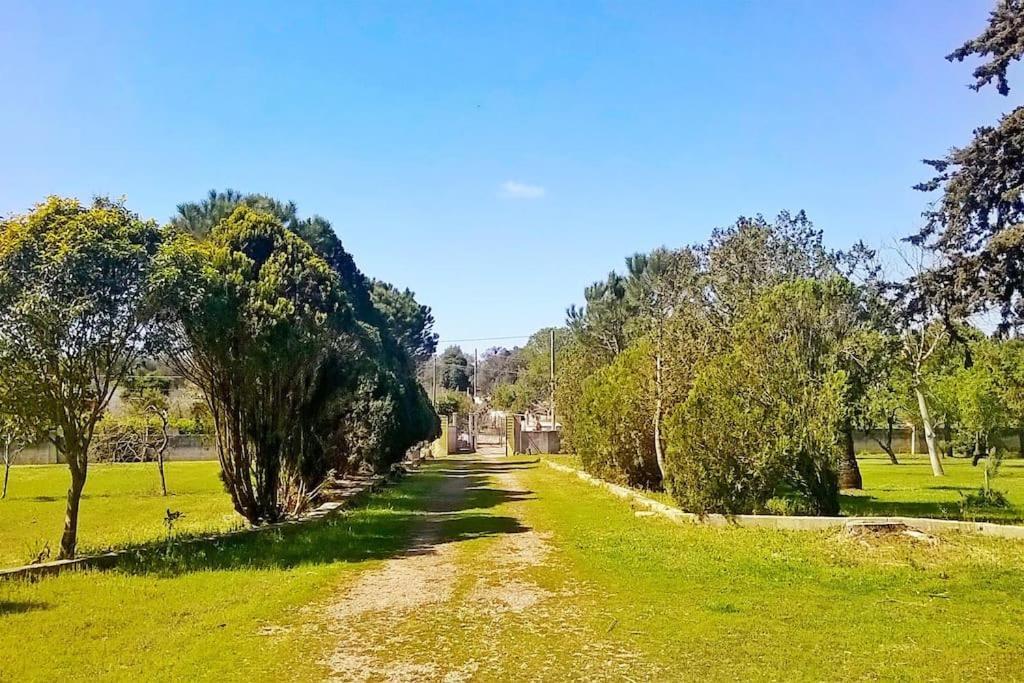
(910, 489)
(226, 611)
(677, 602)
(122, 505)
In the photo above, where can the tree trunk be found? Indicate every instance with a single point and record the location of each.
(929, 433)
(160, 465)
(69, 540)
(659, 452)
(849, 471)
(1020, 441)
(7, 467)
(887, 444)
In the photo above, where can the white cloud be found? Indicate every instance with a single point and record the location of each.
(513, 189)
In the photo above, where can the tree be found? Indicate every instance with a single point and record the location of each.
(883, 402)
(663, 287)
(498, 366)
(612, 431)
(1003, 40)
(411, 322)
(1006, 359)
(503, 397)
(978, 223)
(361, 405)
(763, 418)
(73, 320)
(16, 434)
(148, 395)
(255, 310)
(455, 371)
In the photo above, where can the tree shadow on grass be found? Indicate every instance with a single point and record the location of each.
(870, 506)
(8, 607)
(411, 518)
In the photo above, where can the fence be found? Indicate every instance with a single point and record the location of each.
(180, 447)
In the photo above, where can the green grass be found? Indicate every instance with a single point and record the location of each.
(202, 615)
(122, 505)
(735, 604)
(910, 489)
(617, 597)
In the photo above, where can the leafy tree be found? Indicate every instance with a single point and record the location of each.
(975, 401)
(978, 223)
(362, 405)
(503, 396)
(411, 322)
(764, 417)
(1006, 359)
(256, 310)
(73, 320)
(533, 384)
(453, 403)
(612, 431)
(883, 403)
(455, 369)
(498, 366)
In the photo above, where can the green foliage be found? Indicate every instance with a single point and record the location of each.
(453, 403)
(612, 429)
(256, 308)
(73, 320)
(503, 397)
(352, 398)
(454, 369)
(533, 383)
(766, 415)
(978, 222)
(411, 323)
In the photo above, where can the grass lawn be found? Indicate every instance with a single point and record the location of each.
(738, 604)
(910, 489)
(232, 612)
(531, 575)
(121, 505)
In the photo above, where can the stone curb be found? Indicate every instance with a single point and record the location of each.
(110, 559)
(792, 523)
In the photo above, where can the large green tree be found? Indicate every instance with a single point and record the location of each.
(73, 320)
(256, 309)
(362, 397)
(977, 224)
(764, 418)
(411, 322)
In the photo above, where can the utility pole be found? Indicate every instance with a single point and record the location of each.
(551, 375)
(476, 427)
(433, 384)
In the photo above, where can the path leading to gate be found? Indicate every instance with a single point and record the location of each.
(479, 594)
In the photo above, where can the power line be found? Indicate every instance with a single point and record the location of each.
(514, 336)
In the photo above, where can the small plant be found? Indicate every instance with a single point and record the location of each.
(170, 519)
(982, 498)
(40, 554)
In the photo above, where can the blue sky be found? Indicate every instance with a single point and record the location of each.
(495, 157)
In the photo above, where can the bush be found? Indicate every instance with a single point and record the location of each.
(613, 432)
(765, 416)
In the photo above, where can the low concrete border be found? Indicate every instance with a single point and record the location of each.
(791, 523)
(110, 559)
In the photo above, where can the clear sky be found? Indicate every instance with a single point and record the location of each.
(494, 156)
